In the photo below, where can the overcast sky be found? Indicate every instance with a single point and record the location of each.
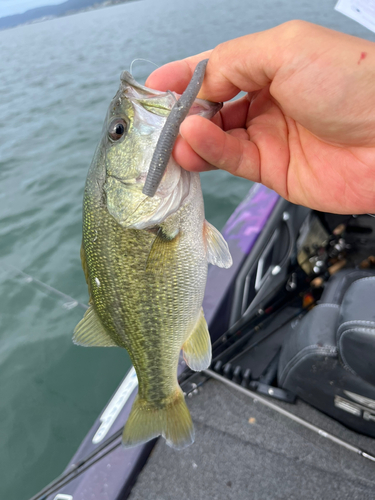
(9, 7)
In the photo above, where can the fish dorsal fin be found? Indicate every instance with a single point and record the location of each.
(197, 350)
(90, 332)
(162, 250)
(217, 248)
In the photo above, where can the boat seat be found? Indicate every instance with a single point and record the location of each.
(328, 357)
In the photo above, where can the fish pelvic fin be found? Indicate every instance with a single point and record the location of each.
(90, 332)
(218, 252)
(173, 422)
(197, 349)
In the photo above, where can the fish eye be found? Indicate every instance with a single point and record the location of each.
(117, 129)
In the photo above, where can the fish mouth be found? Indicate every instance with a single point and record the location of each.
(125, 200)
(130, 81)
(150, 99)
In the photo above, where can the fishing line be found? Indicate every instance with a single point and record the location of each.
(71, 302)
(140, 59)
(175, 99)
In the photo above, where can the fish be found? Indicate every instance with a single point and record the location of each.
(145, 261)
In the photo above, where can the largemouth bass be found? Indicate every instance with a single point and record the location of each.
(145, 261)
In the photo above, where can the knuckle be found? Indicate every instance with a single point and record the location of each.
(294, 28)
(295, 25)
(217, 53)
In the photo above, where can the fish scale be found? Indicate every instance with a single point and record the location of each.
(145, 262)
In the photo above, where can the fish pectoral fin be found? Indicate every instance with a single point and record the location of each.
(172, 421)
(197, 349)
(90, 332)
(162, 250)
(217, 248)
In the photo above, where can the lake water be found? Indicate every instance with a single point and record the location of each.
(57, 79)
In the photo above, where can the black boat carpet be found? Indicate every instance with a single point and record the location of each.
(245, 451)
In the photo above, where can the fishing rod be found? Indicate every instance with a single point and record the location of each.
(245, 323)
(243, 335)
(93, 457)
(248, 348)
(190, 376)
(81, 467)
(248, 330)
(115, 440)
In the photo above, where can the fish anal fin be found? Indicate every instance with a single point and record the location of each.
(172, 421)
(217, 248)
(90, 332)
(197, 349)
(162, 250)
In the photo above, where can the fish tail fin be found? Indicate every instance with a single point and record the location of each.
(173, 422)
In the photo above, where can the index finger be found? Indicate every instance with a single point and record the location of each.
(239, 64)
(175, 75)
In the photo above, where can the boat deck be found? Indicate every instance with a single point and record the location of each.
(244, 450)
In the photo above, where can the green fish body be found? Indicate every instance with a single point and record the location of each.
(145, 262)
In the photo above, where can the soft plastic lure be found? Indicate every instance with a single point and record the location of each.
(170, 130)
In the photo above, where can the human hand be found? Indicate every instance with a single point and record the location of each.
(306, 127)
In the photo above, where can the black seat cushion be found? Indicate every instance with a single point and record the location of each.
(339, 283)
(314, 334)
(356, 333)
(328, 357)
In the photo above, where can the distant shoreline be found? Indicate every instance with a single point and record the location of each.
(48, 12)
